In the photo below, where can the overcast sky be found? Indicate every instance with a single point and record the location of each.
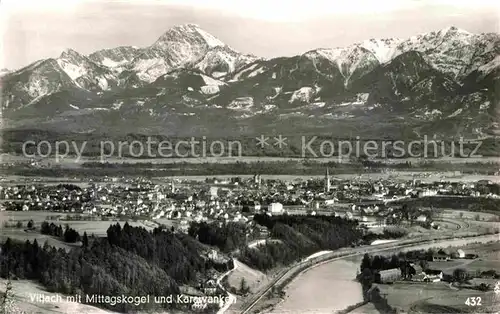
(35, 29)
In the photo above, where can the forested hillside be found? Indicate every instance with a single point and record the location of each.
(130, 262)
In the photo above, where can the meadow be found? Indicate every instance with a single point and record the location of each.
(98, 228)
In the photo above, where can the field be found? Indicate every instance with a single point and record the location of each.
(445, 226)
(436, 298)
(468, 215)
(441, 297)
(252, 277)
(71, 161)
(97, 228)
(25, 216)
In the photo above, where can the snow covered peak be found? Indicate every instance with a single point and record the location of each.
(189, 33)
(69, 53)
(4, 71)
(451, 50)
(84, 72)
(452, 30)
(114, 57)
(222, 60)
(383, 49)
(180, 46)
(360, 58)
(187, 27)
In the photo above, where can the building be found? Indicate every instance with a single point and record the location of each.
(257, 180)
(460, 253)
(327, 182)
(389, 275)
(256, 206)
(422, 218)
(213, 255)
(210, 287)
(262, 231)
(440, 257)
(315, 205)
(427, 192)
(432, 275)
(275, 208)
(214, 191)
(328, 202)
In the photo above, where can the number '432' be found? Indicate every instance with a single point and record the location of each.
(473, 301)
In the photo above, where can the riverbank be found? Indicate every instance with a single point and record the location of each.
(288, 280)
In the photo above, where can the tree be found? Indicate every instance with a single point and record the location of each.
(484, 287)
(366, 278)
(460, 275)
(7, 304)
(45, 228)
(243, 286)
(31, 224)
(71, 235)
(424, 264)
(85, 240)
(394, 263)
(19, 224)
(366, 262)
(411, 272)
(7, 298)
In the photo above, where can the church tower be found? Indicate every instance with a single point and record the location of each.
(327, 181)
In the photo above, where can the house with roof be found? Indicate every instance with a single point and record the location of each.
(251, 206)
(210, 287)
(275, 208)
(389, 275)
(432, 275)
(440, 257)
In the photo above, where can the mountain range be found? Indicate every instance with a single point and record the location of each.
(189, 82)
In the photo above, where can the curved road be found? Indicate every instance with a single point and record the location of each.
(232, 298)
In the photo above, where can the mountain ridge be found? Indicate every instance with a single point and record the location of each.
(188, 72)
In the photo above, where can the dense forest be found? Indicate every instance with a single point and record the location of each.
(69, 235)
(466, 203)
(299, 236)
(227, 237)
(392, 233)
(131, 262)
(294, 237)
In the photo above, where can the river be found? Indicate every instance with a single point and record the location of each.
(324, 289)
